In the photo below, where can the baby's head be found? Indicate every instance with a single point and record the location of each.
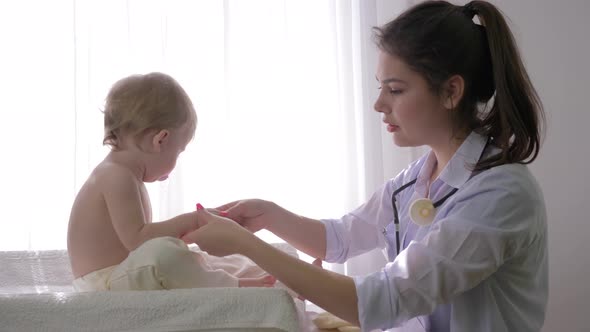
(139, 105)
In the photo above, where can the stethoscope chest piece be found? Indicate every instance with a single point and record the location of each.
(422, 212)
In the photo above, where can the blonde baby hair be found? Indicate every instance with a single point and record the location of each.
(139, 103)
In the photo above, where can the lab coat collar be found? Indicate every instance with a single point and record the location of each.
(460, 167)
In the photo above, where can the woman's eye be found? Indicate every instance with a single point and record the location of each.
(392, 91)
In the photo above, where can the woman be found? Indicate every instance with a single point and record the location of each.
(464, 226)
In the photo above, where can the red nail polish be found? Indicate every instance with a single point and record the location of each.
(200, 207)
(223, 213)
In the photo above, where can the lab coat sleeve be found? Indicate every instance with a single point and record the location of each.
(483, 229)
(360, 230)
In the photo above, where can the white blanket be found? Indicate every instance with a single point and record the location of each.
(207, 309)
(36, 295)
(35, 272)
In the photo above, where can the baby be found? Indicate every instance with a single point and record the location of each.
(112, 242)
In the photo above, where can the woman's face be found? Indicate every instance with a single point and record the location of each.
(413, 113)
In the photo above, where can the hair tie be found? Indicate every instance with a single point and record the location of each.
(469, 10)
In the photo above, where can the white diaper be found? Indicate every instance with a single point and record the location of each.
(94, 281)
(162, 263)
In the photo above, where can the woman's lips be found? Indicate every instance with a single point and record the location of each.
(392, 128)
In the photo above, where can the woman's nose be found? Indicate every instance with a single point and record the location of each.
(379, 106)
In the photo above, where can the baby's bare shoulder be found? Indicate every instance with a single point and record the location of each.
(108, 175)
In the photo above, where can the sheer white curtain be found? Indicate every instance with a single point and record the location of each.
(283, 90)
(379, 158)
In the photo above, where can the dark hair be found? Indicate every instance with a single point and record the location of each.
(438, 40)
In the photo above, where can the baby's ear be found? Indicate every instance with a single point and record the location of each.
(159, 139)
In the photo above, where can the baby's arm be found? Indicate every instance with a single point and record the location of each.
(122, 195)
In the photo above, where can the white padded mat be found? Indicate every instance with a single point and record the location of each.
(36, 295)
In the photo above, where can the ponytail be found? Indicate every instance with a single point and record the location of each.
(516, 118)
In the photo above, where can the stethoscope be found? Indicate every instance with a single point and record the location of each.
(422, 211)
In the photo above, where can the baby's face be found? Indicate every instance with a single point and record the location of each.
(179, 139)
(168, 145)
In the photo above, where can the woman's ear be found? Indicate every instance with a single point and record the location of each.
(453, 91)
(159, 139)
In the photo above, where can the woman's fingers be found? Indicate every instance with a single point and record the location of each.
(214, 211)
(219, 236)
(227, 206)
(204, 217)
(246, 213)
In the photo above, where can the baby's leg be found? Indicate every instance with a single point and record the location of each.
(167, 263)
(248, 273)
(266, 281)
(236, 265)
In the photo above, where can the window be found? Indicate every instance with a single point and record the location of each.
(270, 80)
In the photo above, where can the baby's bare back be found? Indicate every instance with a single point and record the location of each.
(93, 243)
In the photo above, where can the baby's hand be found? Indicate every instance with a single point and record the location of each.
(219, 236)
(212, 211)
(200, 221)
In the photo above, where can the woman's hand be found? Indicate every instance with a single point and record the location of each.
(253, 214)
(219, 236)
(307, 235)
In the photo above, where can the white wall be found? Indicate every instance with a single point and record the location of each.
(553, 39)
(553, 36)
